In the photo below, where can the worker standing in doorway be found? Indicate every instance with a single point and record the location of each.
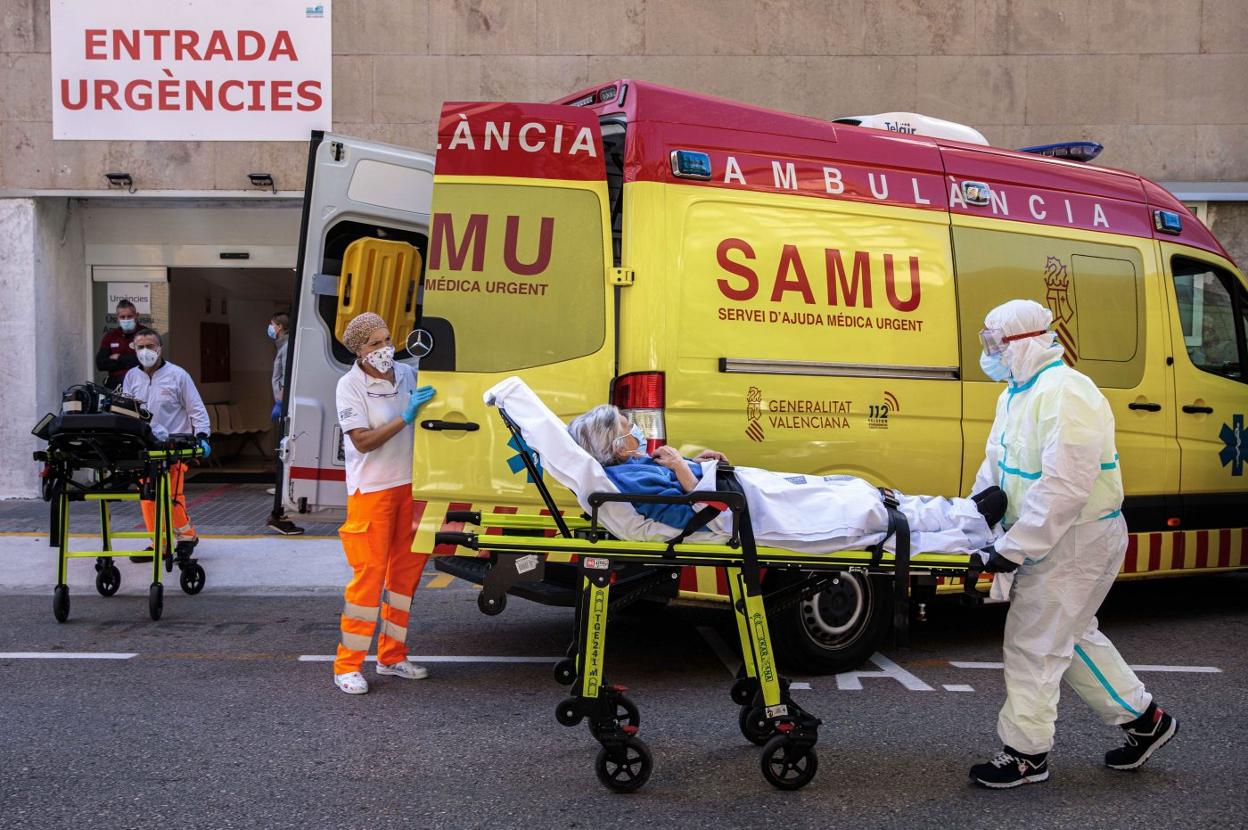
(169, 394)
(116, 354)
(279, 333)
(377, 402)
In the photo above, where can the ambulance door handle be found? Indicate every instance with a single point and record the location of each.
(439, 426)
(1147, 407)
(1193, 409)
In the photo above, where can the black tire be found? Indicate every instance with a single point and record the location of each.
(785, 770)
(743, 690)
(627, 713)
(155, 600)
(60, 603)
(566, 712)
(565, 672)
(192, 578)
(625, 769)
(837, 629)
(490, 606)
(107, 580)
(755, 725)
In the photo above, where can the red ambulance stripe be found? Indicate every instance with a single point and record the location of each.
(449, 550)
(1180, 550)
(1243, 547)
(1154, 551)
(1128, 564)
(552, 532)
(1224, 548)
(688, 579)
(1202, 548)
(318, 473)
(721, 582)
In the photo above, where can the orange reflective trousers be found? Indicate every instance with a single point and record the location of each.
(377, 538)
(182, 528)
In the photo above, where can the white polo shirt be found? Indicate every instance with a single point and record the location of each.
(369, 402)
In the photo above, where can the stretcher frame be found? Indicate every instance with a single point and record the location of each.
(517, 546)
(113, 485)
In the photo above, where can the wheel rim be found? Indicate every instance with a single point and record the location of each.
(832, 617)
(786, 768)
(627, 769)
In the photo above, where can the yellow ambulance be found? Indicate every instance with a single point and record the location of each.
(806, 295)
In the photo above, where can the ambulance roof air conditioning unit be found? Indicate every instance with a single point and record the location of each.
(911, 123)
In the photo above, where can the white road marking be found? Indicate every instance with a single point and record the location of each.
(725, 654)
(852, 680)
(964, 664)
(799, 686)
(958, 687)
(65, 655)
(441, 658)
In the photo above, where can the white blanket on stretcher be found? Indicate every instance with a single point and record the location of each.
(799, 512)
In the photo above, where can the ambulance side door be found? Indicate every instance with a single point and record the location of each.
(360, 192)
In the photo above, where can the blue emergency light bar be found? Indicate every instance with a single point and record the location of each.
(1167, 221)
(1083, 151)
(691, 164)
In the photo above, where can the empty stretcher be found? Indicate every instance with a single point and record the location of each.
(517, 546)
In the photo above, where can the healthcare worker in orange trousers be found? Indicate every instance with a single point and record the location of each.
(377, 402)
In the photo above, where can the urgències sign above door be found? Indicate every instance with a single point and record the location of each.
(190, 70)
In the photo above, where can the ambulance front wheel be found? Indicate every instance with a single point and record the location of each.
(491, 606)
(60, 603)
(787, 765)
(155, 600)
(835, 630)
(625, 767)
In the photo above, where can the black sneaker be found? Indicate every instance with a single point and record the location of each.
(991, 502)
(284, 526)
(183, 549)
(1010, 768)
(1145, 735)
(142, 558)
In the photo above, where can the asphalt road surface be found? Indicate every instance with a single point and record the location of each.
(216, 722)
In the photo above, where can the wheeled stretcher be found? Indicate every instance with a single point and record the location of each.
(105, 457)
(517, 546)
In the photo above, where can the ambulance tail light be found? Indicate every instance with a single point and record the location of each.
(642, 397)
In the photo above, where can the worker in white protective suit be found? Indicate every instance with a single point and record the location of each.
(1051, 448)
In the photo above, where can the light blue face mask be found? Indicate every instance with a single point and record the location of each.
(993, 366)
(272, 331)
(127, 325)
(640, 437)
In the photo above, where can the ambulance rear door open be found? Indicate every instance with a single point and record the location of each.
(365, 226)
(517, 282)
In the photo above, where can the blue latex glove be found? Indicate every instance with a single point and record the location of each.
(418, 399)
(277, 411)
(204, 446)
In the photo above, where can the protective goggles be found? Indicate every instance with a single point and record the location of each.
(994, 341)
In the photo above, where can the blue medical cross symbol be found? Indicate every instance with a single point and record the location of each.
(516, 462)
(1235, 452)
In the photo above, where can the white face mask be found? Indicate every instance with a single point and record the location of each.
(381, 359)
(148, 355)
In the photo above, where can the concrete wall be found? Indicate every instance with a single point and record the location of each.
(1161, 84)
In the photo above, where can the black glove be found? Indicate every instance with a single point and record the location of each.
(997, 564)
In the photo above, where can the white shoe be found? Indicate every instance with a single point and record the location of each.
(404, 669)
(353, 683)
(271, 491)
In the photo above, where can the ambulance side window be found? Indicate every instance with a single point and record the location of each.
(1213, 329)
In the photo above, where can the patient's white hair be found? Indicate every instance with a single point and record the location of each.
(596, 432)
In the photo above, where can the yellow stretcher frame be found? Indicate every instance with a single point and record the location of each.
(518, 544)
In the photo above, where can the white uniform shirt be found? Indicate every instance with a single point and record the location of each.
(369, 402)
(170, 395)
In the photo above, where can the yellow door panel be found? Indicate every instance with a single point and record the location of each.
(381, 276)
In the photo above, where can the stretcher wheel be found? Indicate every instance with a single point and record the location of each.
(625, 767)
(565, 672)
(108, 580)
(743, 690)
(60, 603)
(755, 725)
(192, 578)
(155, 600)
(786, 766)
(567, 712)
(491, 606)
(626, 712)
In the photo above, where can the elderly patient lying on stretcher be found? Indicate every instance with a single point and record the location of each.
(790, 510)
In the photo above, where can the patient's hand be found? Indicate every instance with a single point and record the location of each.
(668, 457)
(709, 455)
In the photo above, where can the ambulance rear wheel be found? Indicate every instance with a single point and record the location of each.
(192, 578)
(108, 580)
(755, 725)
(835, 630)
(624, 768)
(786, 766)
(155, 600)
(60, 603)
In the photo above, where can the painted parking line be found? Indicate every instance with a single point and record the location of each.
(442, 658)
(968, 664)
(440, 581)
(66, 655)
(958, 687)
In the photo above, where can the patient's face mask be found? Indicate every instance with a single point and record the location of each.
(637, 435)
(381, 359)
(148, 355)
